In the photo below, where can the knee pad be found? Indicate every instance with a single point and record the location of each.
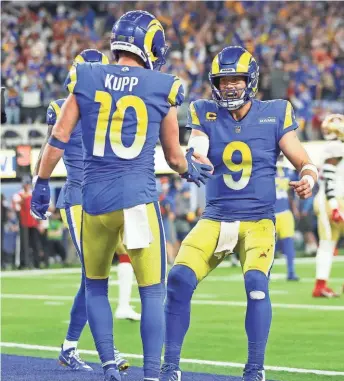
(256, 284)
(181, 284)
(97, 287)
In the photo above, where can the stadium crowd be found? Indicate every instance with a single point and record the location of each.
(299, 47)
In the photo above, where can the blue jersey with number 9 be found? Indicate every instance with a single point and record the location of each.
(244, 156)
(121, 109)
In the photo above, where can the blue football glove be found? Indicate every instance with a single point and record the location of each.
(40, 199)
(197, 173)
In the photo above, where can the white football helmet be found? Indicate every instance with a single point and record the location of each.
(333, 127)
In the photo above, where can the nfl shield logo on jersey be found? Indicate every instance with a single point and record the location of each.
(238, 129)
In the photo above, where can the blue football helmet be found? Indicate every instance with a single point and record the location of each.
(234, 60)
(139, 32)
(91, 55)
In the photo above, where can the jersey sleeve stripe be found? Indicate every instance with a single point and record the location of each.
(56, 108)
(105, 60)
(288, 120)
(79, 59)
(194, 116)
(73, 79)
(172, 96)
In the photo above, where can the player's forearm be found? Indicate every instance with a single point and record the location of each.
(298, 156)
(50, 158)
(36, 170)
(177, 162)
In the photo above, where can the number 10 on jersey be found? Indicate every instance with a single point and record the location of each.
(117, 122)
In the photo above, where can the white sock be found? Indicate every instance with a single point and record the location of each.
(69, 344)
(125, 278)
(324, 259)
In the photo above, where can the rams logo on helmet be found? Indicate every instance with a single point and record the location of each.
(141, 34)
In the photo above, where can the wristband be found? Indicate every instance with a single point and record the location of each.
(54, 142)
(311, 167)
(310, 180)
(42, 181)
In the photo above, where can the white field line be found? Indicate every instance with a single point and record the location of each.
(282, 261)
(275, 277)
(77, 270)
(195, 301)
(185, 361)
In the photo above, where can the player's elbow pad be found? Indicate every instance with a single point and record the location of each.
(200, 143)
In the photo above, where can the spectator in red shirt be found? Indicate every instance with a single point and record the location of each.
(30, 241)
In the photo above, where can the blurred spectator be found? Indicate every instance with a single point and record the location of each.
(302, 102)
(4, 208)
(55, 249)
(327, 85)
(30, 243)
(184, 215)
(306, 225)
(3, 111)
(279, 79)
(12, 103)
(295, 41)
(11, 229)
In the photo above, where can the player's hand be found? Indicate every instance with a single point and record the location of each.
(202, 160)
(40, 200)
(197, 172)
(337, 215)
(302, 188)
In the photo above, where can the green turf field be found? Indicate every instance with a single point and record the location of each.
(306, 334)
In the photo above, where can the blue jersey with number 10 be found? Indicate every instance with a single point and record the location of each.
(121, 109)
(244, 155)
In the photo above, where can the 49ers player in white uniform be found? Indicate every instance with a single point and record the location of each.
(329, 203)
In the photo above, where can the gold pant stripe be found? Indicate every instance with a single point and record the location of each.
(71, 217)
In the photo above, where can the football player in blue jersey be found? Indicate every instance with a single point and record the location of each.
(242, 137)
(124, 109)
(285, 223)
(69, 203)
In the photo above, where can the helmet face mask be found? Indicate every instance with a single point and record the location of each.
(234, 61)
(332, 127)
(140, 33)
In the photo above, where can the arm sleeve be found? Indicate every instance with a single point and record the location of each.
(176, 95)
(71, 83)
(287, 121)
